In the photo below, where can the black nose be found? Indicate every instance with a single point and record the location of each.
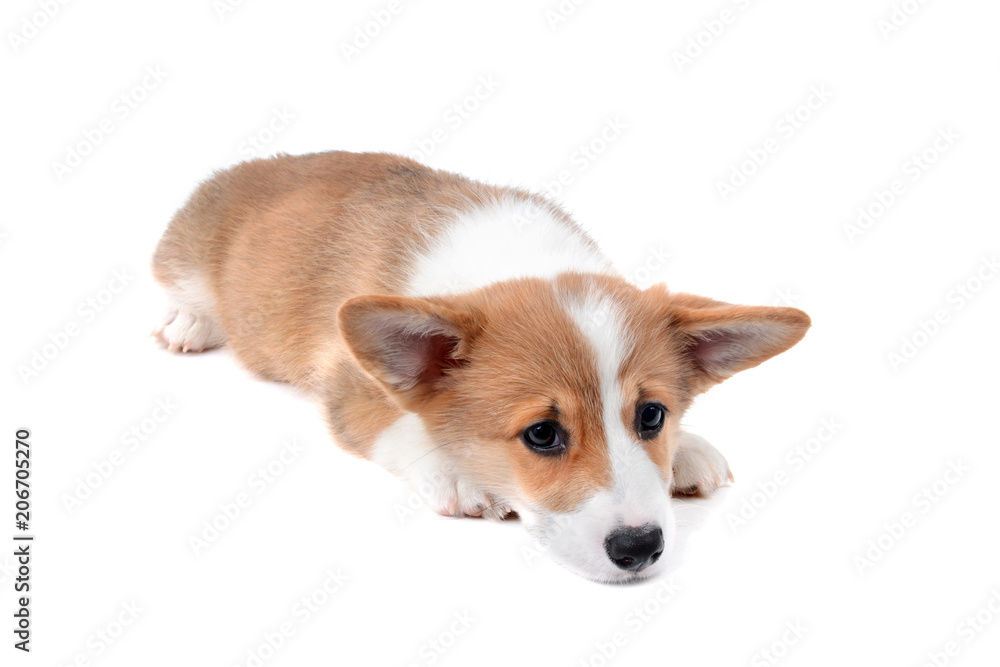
(635, 548)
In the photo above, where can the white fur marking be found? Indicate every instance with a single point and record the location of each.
(638, 495)
(407, 450)
(190, 321)
(513, 238)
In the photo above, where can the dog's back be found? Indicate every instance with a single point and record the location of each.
(264, 253)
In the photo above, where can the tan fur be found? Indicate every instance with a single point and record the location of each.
(306, 259)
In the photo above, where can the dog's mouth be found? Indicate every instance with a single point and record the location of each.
(614, 577)
(632, 578)
(626, 555)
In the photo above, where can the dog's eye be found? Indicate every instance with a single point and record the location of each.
(650, 419)
(543, 437)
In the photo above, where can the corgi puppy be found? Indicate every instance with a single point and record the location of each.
(469, 338)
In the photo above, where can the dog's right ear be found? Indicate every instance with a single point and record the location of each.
(409, 345)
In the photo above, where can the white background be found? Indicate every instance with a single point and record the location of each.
(683, 127)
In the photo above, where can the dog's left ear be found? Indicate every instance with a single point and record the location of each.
(407, 344)
(723, 339)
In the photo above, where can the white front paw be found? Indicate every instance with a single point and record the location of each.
(699, 468)
(407, 450)
(449, 495)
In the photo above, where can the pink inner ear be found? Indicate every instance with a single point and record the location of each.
(726, 340)
(719, 349)
(424, 357)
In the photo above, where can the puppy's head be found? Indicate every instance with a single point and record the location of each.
(563, 397)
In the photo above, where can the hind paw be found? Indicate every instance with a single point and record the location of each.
(183, 331)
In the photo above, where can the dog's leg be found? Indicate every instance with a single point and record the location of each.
(406, 449)
(181, 266)
(189, 325)
(699, 468)
(450, 495)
